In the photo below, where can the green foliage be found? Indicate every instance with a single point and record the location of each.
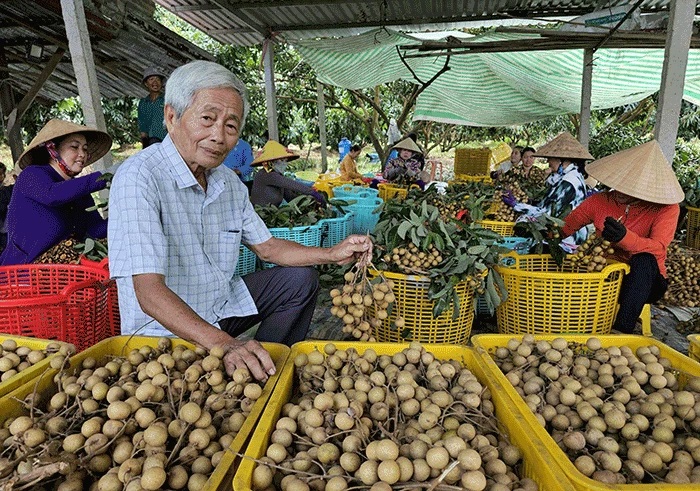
(95, 250)
(468, 254)
(616, 137)
(686, 164)
(300, 212)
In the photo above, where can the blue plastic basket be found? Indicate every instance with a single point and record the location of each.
(366, 215)
(334, 230)
(308, 235)
(246, 261)
(348, 191)
(521, 245)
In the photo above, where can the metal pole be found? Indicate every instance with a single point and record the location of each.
(584, 129)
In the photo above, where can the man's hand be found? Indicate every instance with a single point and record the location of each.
(351, 249)
(613, 230)
(251, 355)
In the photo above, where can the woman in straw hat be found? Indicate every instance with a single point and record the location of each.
(406, 168)
(638, 216)
(564, 154)
(49, 201)
(270, 186)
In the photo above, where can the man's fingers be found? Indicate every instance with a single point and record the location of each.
(240, 357)
(263, 357)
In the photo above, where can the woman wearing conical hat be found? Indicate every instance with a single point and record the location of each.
(638, 216)
(564, 155)
(49, 201)
(406, 167)
(270, 185)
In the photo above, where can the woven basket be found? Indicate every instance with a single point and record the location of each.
(544, 298)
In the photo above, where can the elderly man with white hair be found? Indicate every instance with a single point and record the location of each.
(177, 219)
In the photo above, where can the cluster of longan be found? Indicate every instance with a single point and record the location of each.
(352, 304)
(410, 259)
(592, 254)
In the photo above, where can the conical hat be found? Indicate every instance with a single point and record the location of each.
(642, 172)
(564, 146)
(408, 144)
(273, 151)
(98, 142)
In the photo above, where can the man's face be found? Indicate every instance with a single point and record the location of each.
(208, 130)
(528, 159)
(154, 83)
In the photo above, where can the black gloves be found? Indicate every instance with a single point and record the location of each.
(613, 231)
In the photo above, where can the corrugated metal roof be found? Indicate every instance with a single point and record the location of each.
(247, 22)
(125, 40)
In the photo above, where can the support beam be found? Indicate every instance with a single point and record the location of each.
(680, 29)
(584, 128)
(270, 92)
(322, 125)
(7, 104)
(84, 68)
(14, 118)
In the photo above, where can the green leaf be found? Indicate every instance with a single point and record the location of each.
(403, 229)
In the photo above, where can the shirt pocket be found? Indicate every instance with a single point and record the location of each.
(227, 251)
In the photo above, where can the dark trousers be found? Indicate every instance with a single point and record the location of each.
(285, 299)
(644, 284)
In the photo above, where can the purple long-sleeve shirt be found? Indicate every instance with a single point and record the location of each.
(46, 209)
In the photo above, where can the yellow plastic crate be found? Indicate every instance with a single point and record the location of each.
(694, 346)
(467, 178)
(544, 298)
(388, 191)
(32, 372)
(473, 161)
(327, 185)
(536, 465)
(692, 238)
(506, 229)
(220, 478)
(500, 153)
(412, 303)
(484, 344)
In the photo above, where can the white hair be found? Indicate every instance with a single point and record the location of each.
(198, 75)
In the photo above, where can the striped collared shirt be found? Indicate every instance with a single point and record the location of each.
(162, 221)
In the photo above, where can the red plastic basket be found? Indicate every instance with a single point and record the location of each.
(67, 302)
(112, 298)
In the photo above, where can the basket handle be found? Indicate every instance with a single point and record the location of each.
(69, 290)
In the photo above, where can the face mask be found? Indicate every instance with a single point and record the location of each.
(280, 167)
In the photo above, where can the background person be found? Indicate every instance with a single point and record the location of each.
(639, 217)
(406, 168)
(177, 220)
(150, 109)
(240, 160)
(270, 185)
(5, 195)
(49, 201)
(348, 166)
(505, 166)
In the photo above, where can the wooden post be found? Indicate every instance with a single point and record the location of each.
(270, 93)
(679, 31)
(322, 125)
(84, 68)
(7, 104)
(584, 129)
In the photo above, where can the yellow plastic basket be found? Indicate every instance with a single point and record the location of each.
(692, 238)
(506, 229)
(536, 465)
(694, 346)
(473, 161)
(326, 185)
(484, 344)
(486, 179)
(412, 303)
(10, 406)
(544, 298)
(500, 153)
(33, 371)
